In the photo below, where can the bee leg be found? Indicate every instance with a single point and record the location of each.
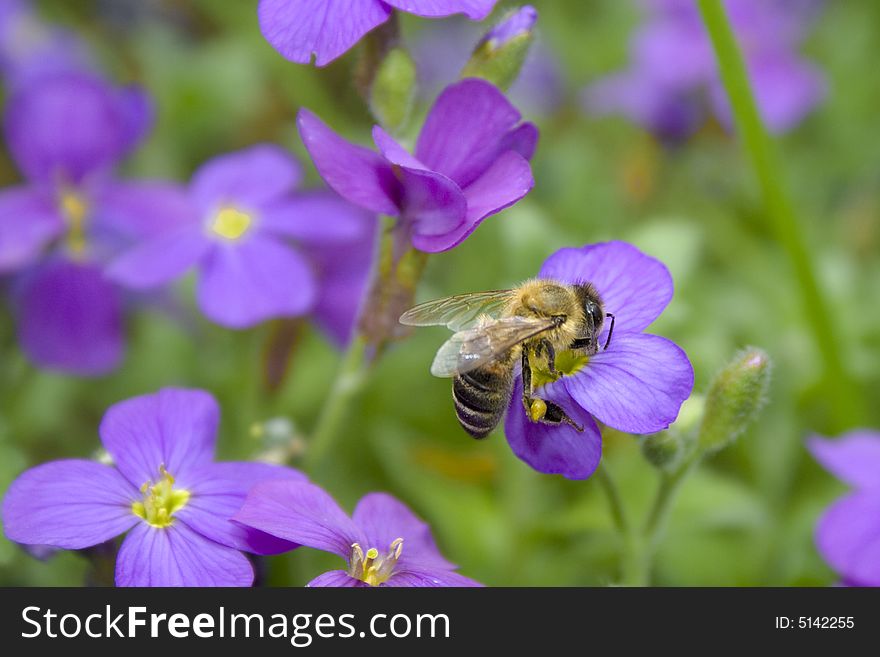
(610, 331)
(542, 410)
(547, 347)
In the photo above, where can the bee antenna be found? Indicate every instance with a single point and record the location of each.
(610, 331)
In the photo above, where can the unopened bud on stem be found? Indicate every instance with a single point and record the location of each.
(500, 54)
(736, 395)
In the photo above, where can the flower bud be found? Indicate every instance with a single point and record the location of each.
(663, 450)
(393, 89)
(500, 54)
(735, 396)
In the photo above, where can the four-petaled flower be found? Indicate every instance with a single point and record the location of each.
(673, 65)
(848, 534)
(328, 28)
(383, 543)
(239, 218)
(471, 161)
(636, 385)
(66, 132)
(164, 490)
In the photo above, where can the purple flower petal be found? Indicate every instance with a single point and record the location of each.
(554, 449)
(175, 428)
(848, 536)
(67, 126)
(504, 183)
(70, 318)
(356, 173)
(247, 179)
(433, 205)
(327, 28)
(336, 578)
(301, 513)
(29, 220)
(218, 492)
(384, 519)
(178, 556)
(138, 210)
(853, 458)
(637, 385)
(430, 578)
(160, 260)
(70, 504)
(522, 139)
(476, 10)
(316, 218)
(635, 287)
(343, 272)
(257, 278)
(464, 130)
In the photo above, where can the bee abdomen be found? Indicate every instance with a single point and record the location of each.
(481, 397)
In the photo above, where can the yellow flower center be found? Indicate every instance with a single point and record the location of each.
(567, 363)
(74, 209)
(161, 500)
(231, 223)
(372, 567)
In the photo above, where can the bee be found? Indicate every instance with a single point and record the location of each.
(494, 329)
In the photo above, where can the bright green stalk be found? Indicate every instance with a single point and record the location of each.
(847, 404)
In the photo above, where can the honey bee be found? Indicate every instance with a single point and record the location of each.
(531, 322)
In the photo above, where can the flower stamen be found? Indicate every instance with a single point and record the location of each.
(231, 223)
(161, 500)
(74, 209)
(371, 566)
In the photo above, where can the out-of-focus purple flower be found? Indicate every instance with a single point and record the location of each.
(243, 217)
(848, 533)
(673, 80)
(30, 48)
(636, 385)
(328, 28)
(164, 489)
(66, 132)
(471, 161)
(442, 49)
(383, 543)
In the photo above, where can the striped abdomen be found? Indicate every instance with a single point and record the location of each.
(481, 397)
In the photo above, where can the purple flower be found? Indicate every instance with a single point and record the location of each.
(29, 48)
(66, 132)
(471, 161)
(328, 28)
(673, 78)
(848, 534)
(636, 385)
(164, 490)
(383, 543)
(242, 218)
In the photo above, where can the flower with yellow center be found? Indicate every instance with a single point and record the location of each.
(161, 500)
(231, 223)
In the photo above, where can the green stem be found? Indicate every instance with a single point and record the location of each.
(349, 380)
(666, 492)
(615, 502)
(846, 403)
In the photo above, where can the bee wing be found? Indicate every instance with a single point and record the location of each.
(459, 312)
(475, 347)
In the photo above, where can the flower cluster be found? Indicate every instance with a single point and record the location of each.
(673, 75)
(176, 505)
(636, 385)
(848, 534)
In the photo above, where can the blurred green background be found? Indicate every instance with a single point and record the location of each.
(745, 518)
